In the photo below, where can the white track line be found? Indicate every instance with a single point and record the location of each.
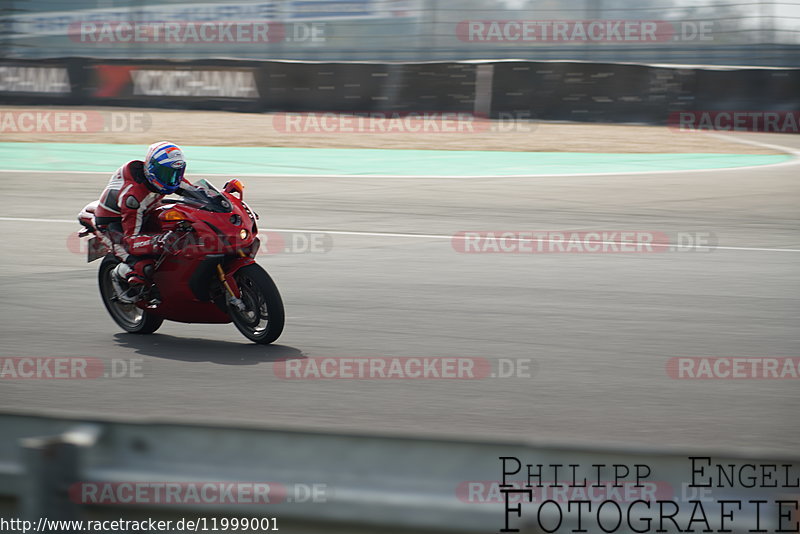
(741, 140)
(450, 237)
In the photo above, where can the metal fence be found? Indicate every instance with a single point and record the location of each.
(69, 469)
(714, 32)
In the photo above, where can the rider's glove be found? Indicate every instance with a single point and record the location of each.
(166, 242)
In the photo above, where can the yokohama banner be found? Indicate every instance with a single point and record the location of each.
(699, 97)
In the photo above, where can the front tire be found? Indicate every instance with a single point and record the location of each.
(129, 317)
(263, 317)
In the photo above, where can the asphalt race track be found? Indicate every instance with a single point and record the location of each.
(598, 328)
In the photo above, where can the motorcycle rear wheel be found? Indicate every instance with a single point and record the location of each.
(263, 317)
(129, 317)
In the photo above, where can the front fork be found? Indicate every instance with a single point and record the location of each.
(225, 275)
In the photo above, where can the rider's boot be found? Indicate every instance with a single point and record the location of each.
(127, 284)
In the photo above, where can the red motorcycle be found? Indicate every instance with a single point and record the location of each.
(207, 274)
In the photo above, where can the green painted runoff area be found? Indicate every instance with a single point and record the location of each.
(235, 161)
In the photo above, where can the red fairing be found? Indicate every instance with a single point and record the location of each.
(230, 236)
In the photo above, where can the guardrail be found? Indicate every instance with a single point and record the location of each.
(67, 468)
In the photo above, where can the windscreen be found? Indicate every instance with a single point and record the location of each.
(203, 194)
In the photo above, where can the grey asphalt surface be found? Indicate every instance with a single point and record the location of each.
(598, 328)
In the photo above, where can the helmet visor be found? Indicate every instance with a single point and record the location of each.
(167, 176)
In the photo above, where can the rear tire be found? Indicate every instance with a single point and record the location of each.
(129, 317)
(263, 318)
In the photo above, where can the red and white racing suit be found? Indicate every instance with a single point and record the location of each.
(120, 216)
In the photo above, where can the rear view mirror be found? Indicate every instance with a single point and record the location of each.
(234, 186)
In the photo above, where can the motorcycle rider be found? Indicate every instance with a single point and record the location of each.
(133, 191)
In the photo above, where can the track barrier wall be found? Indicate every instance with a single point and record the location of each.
(569, 91)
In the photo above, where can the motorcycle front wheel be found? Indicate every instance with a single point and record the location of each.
(262, 318)
(129, 317)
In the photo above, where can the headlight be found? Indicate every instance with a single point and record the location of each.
(243, 234)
